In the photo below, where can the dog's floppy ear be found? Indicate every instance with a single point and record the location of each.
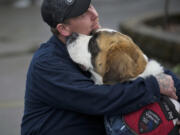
(118, 67)
(122, 65)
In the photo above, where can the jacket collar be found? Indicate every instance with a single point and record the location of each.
(61, 47)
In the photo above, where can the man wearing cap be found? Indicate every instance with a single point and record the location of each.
(60, 98)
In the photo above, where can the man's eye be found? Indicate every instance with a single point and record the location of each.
(91, 6)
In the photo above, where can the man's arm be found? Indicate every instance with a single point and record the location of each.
(177, 86)
(65, 87)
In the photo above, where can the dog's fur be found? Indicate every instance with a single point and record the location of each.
(112, 57)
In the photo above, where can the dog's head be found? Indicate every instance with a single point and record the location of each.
(114, 56)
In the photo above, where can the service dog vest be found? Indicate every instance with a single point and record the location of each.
(153, 119)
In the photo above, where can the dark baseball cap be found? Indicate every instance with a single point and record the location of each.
(56, 11)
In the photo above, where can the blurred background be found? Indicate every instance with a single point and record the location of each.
(22, 31)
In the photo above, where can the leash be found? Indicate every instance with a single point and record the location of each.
(170, 113)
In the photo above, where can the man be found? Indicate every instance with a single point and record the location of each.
(60, 98)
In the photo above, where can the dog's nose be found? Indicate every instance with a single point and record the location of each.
(73, 37)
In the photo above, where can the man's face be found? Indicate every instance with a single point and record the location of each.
(85, 23)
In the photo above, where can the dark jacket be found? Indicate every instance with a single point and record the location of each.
(61, 99)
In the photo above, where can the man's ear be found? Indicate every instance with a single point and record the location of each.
(63, 29)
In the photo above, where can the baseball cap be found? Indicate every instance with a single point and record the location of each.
(56, 11)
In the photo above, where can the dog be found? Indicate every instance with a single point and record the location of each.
(113, 57)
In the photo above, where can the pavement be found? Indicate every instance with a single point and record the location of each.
(22, 30)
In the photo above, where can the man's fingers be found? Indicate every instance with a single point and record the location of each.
(173, 95)
(176, 97)
(173, 88)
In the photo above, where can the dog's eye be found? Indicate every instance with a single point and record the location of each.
(100, 64)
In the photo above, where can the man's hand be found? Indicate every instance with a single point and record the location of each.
(166, 85)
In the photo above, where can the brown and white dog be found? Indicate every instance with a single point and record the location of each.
(112, 57)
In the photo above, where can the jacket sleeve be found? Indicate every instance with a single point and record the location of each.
(176, 82)
(64, 87)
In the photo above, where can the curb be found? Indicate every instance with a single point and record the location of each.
(19, 52)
